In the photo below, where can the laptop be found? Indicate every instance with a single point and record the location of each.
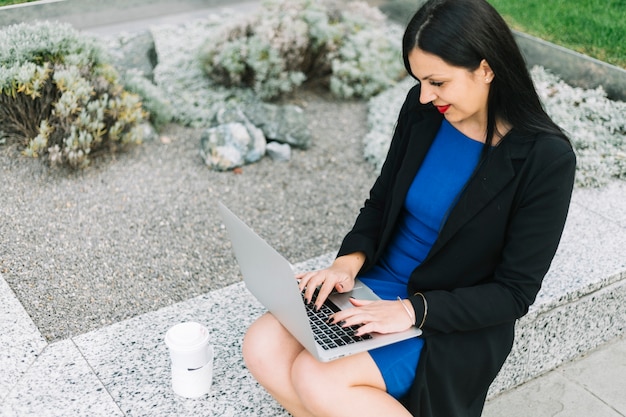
(271, 279)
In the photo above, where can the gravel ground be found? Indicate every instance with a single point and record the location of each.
(139, 231)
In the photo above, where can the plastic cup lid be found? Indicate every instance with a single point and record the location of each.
(187, 336)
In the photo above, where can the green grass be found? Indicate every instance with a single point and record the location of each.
(593, 27)
(8, 2)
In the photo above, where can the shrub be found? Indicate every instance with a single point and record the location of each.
(350, 48)
(59, 99)
(153, 98)
(369, 60)
(194, 99)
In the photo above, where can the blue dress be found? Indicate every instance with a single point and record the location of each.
(447, 167)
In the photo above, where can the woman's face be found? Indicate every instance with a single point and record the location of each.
(459, 94)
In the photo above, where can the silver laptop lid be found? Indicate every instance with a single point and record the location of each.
(269, 277)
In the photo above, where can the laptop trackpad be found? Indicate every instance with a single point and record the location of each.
(360, 292)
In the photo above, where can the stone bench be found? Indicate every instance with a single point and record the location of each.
(581, 303)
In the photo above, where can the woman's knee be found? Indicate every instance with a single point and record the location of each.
(314, 386)
(255, 344)
(320, 385)
(267, 342)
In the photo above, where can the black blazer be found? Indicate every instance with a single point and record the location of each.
(486, 267)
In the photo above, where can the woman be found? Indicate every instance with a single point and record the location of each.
(456, 235)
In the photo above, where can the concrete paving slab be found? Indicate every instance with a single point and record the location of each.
(592, 385)
(602, 373)
(96, 13)
(60, 383)
(550, 396)
(132, 361)
(20, 340)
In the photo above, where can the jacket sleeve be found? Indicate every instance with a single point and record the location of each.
(365, 233)
(532, 235)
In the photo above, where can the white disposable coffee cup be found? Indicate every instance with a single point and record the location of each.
(192, 359)
(192, 383)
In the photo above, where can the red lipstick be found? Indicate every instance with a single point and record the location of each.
(443, 109)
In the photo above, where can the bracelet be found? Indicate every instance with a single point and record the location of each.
(425, 309)
(407, 311)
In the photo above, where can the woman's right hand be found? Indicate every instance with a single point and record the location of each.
(339, 276)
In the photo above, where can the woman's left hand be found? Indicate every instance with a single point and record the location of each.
(375, 316)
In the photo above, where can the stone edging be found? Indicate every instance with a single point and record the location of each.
(572, 67)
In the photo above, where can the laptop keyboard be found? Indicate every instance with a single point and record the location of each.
(326, 334)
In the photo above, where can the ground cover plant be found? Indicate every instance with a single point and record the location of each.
(59, 99)
(595, 125)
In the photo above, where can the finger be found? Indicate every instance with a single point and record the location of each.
(348, 317)
(344, 285)
(324, 292)
(359, 303)
(365, 329)
(363, 321)
(302, 280)
(309, 291)
(306, 279)
(344, 314)
(313, 282)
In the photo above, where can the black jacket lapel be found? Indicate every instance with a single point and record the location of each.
(489, 180)
(422, 136)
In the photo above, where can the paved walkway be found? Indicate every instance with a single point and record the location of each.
(593, 385)
(123, 369)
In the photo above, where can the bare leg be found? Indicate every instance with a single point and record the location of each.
(348, 386)
(269, 351)
(307, 387)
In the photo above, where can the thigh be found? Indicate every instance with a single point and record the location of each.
(269, 347)
(348, 386)
(269, 352)
(355, 370)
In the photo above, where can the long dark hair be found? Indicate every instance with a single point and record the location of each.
(463, 33)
